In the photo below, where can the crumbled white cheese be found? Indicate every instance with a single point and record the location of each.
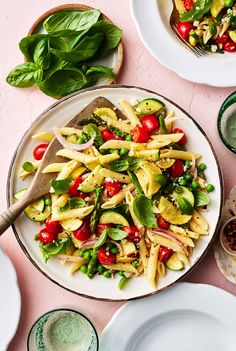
(229, 11)
(108, 179)
(138, 110)
(225, 20)
(214, 48)
(195, 23)
(133, 102)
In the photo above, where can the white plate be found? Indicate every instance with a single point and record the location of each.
(188, 317)
(10, 301)
(152, 22)
(59, 114)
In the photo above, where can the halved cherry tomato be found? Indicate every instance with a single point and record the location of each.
(105, 256)
(53, 227)
(112, 187)
(140, 135)
(46, 237)
(162, 223)
(84, 232)
(184, 28)
(183, 140)
(150, 123)
(229, 46)
(73, 188)
(108, 135)
(177, 169)
(134, 234)
(101, 227)
(223, 39)
(188, 4)
(164, 253)
(39, 151)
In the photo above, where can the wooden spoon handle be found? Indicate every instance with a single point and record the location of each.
(11, 214)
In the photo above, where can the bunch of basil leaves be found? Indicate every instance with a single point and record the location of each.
(60, 61)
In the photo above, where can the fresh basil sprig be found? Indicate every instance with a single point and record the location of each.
(114, 233)
(143, 210)
(73, 202)
(28, 167)
(61, 186)
(124, 164)
(56, 248)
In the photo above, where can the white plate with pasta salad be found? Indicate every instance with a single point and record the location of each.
(135, 198)
(210, 24)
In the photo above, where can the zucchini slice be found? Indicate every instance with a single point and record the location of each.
(149, 106)
(37, 211)
(113, 217)
(19, 194)
(174, 263)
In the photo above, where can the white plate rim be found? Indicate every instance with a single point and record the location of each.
(15, 286)
(175, 290)
(198, 260)
(163, 63)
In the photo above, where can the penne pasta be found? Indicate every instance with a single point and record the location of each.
(44, 136)
(160, 240)
(69, 131)
(54, 167)
(173, 138)
(74, 213)
(125, 267)
(105, 159)
(157, 144)
(115, 200)
(106, 173)
(78, 172)
(129, 113)
(161, 270)
(67, 170)
(61, 201)
(122, 144)
(179, 154)
(152, 265)
(76, 155)
(143, 254)
(124, 127)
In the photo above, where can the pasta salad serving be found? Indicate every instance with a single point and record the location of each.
(210, 24)
(127, 198)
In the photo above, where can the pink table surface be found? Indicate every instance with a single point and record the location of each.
(19, 107)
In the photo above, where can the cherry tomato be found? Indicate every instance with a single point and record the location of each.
(150, 123)
(162, 223)
(108, 135)
(183, 140)
(39, 151)
(229, 46)
(140, 135)
(101, 227)
(73, 188)
(134, 234)
(53, 227)
(177, 169)
(46, 237)
(164, 253)
(223, 39)
(105, 256)
(112, 187)
(184, 28)
(188, 4)
(84, 232)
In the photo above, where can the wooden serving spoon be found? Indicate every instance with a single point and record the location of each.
(41, 182)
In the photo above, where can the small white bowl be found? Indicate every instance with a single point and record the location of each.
(224, 243)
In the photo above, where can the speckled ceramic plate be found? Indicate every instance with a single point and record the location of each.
(152, 23)
(59, 114)
(113, 60)
(189, 317)
(10, 301)
(226, 262)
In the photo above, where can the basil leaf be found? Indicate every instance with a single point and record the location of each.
(28, 167)
(42, 53)
(75, 20)
(143, 210)
(61, 186)
(116, 234)
(28, 44)
(201, 198)
(198, 10)
(101, 240)
(119, 165)
(83, 51)
(55, 248)
(76, 202)
(92, 131)
(213, 29)
(100, 71)
(136, 183)
(63, 82)
(112, 36)
(25, 75)
(134, 162)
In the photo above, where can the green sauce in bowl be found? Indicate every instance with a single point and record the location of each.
(63, 330)
(227, 122)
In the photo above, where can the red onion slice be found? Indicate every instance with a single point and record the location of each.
(168, 235)
(88, 243)
(71, 146)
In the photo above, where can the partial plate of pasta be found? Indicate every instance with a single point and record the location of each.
(131, 207)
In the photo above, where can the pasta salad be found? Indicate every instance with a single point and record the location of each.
(127, 197)
(210, 24)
